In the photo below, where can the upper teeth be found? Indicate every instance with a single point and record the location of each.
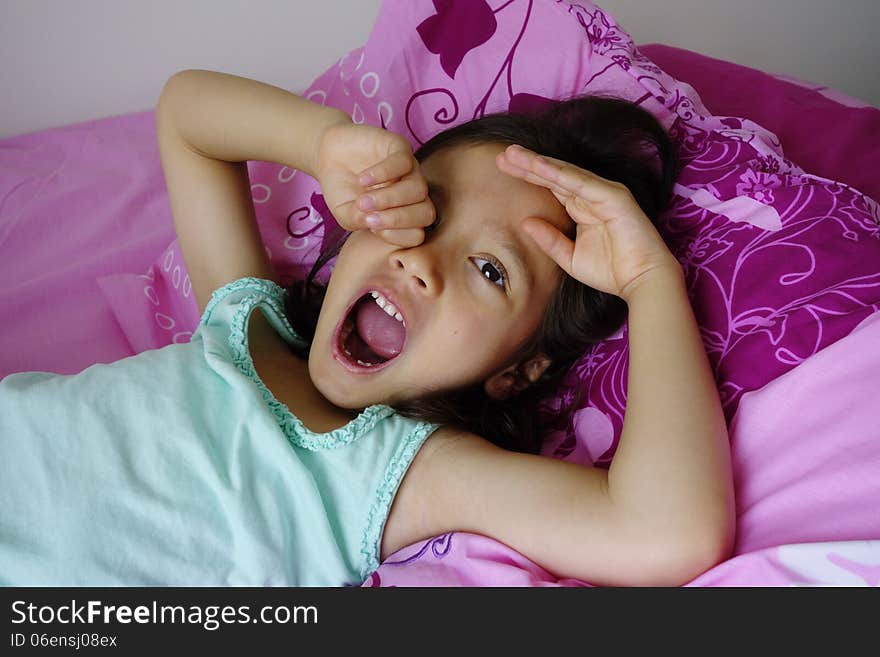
(387, 306)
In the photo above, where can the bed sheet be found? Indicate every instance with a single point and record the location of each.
(84, 203)
(76, 203)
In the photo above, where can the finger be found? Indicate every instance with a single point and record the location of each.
(540, 169)
(577, 208)
(550, 241)
(505, 165)
(406, 237)
(410, 190)
(418, 215)
(396, 165)
(563, 176)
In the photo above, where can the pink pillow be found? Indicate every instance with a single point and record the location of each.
(780, 263)
(798, 115)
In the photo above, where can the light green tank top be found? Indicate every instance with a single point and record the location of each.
(177, 466)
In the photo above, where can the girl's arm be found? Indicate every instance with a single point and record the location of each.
(664, 512)
(673, 461)
(209, 124)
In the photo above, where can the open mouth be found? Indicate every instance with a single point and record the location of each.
(371, 335)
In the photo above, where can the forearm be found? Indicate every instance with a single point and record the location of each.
(235, 119)
(671, 472)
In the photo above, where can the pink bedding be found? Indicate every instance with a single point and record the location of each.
(76, 203)
(798, 113)
(91, 272)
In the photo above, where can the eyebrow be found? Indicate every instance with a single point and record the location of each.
(511, 243)
(508, 239)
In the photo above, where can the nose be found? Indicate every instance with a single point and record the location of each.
(420, 269)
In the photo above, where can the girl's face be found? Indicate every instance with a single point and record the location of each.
(469, 297)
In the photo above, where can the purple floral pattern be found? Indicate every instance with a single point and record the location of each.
(758, 185)
(438, 547)
(458, 27)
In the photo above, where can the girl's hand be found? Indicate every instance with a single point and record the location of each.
(616, 245)
(371, 180)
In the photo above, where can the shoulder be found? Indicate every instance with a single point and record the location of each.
(446, 441)
(248, 291)
(416, 512)
(448, 450)
(440, 491)
(252, 309)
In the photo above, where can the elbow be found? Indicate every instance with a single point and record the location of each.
(170, 88)
(688, 559)
(181, 83)
(685, 544)
(175, 103)
(655, 557)
(166, 98)
(678, 560)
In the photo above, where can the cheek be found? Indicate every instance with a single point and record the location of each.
(361, 248)
(464, 332)
(473, 341)
(354, 260)
(350, 255)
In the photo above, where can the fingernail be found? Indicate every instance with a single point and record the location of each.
(366, 203)
(373, 220)
(367, 179)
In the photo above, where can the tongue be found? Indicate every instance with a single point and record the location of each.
(382, 333)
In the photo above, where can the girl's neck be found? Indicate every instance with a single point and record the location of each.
(287, 377)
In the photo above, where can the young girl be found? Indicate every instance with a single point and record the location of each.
(302, 449)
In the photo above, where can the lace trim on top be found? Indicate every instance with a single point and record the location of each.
(271, 294)
(397, 467)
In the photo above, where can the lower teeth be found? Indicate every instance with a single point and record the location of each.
(359, 361)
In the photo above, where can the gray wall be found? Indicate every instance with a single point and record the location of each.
(64, 61)
(831, 42)
(68, 61)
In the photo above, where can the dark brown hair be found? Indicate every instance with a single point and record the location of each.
(614, 139)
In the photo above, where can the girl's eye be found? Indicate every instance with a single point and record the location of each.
(492, 270)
